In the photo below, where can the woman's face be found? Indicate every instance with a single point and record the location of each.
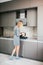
(20, 24)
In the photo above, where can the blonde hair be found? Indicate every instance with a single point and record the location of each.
(19, 21)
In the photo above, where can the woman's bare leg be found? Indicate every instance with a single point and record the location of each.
(17, 50)
(13, 51)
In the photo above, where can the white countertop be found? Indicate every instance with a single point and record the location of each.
(6, 38)
(26, 40)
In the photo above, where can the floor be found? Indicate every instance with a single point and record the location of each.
(4, 60)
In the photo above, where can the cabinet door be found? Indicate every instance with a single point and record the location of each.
(0, 45)
(22, 48)
(9, 46)
(30, 50)
(0, 19)
(31, 17)
(40, 51)
(6, 46)
(12, 19)
(8, 19)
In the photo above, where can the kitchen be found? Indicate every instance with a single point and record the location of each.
(32, 43)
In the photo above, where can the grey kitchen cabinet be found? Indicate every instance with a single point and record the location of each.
(29, 49)
(32, 17)
(0, 45)
(40, 51)
(6, 46)
(0, 19)
(8, 19)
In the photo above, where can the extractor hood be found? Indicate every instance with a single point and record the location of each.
(1, 1)
(21, 15)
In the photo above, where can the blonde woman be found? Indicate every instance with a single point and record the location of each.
(16, 40)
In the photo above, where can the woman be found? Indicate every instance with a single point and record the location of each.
(16, 40)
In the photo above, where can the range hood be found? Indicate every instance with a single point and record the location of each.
(21, 15)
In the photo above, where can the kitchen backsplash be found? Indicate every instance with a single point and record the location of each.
(31, 32)
(28, 31)
(8, 32)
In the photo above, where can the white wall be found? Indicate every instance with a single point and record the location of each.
(40, 23)
(18, 4)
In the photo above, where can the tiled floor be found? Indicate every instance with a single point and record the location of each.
(4, 60)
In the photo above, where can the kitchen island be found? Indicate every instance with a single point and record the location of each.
(30, 48)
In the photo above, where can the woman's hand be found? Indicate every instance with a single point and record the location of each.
(21, 33)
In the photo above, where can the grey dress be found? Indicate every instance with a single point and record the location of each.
(16, 36)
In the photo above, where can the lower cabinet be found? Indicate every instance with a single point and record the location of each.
(29, 50)
(40, 51)
(0, 46)
(6, 46)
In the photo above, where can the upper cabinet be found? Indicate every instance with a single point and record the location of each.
(28, 16)
(32, 17)
(8, 19)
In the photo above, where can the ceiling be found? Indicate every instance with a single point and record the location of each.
(1, 1)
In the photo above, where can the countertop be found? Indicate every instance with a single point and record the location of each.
(26, 40)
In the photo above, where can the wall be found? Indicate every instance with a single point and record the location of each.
(40, 22)
(19, 4)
